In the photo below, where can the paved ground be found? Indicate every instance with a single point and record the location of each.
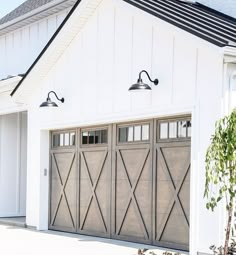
(20, 241)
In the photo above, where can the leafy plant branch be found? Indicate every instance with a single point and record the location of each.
(220, 176)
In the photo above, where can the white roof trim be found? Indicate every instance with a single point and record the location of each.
(71, 28)
(37, 14)
(229, 54)
(9, 84)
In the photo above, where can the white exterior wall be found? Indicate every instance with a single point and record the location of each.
(13, 147)
(19, 49)
(227, 6)
(94, 75)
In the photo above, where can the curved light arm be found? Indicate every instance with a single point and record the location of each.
(53, 92)
(155, 81)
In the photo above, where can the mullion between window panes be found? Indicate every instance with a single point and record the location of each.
(186, 131)
(141, 138)
(177, 129)
(168, 130)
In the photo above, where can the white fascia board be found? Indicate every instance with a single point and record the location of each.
(71, 28)
(229, 54)
(9, 84)
(45, 10)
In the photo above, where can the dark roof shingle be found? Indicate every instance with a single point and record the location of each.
(194, 18)
(22, 9)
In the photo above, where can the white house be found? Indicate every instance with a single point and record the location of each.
(108, 161)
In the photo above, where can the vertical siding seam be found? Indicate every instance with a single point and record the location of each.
(173, 70)
(196, 76)
(114, 57)
(97, 61)
(152, 57)
(132, 56)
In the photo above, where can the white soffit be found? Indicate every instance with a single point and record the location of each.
(56, 48)
(35, 15)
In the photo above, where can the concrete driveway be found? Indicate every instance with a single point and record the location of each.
(21, 241)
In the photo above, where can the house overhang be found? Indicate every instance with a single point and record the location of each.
(35, 15)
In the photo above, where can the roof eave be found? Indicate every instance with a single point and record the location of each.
(9, 84)
(26, 18)
(229, 53)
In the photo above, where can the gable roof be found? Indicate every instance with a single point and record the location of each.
(22, 9)
(197, 19)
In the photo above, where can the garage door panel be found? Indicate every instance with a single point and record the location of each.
(133, 189)
(172, 194)
(94, 190)
(63, 190)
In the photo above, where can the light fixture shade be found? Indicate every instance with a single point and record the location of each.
(139, 86)
(48, 103)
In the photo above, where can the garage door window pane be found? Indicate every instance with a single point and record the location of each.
(182, 128)
(145, 132)
(97, 136)
(164, 130)
(85, 138)
(91, 137)
(56, 140)
(123, 135)
(67, 139)
(172, 130)
(103, 136)
(137, 133)
(94, 137)
(61, 139)
(175, 129)
(72, 139)
(130, 134)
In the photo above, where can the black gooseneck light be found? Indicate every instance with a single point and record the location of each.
(49, 102)
(140, 85)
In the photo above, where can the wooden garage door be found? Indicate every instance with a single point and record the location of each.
(172, 160)
(94, 182)
(63, 182)
(132, 183)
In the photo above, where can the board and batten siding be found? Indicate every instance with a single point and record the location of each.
(18, 49)
(94, 74)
